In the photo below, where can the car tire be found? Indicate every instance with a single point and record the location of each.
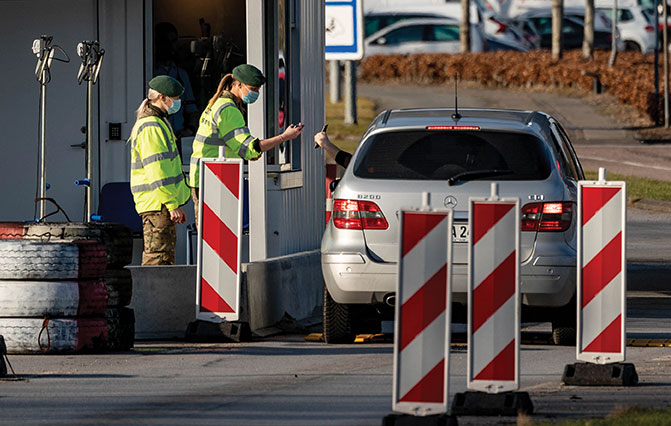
(632, 46)
(21, 299)
(563, 335)
(30, 336)
(337, 320)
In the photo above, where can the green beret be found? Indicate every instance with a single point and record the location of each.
(249, 75)
(166, 85)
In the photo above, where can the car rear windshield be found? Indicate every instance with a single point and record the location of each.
(439, 155)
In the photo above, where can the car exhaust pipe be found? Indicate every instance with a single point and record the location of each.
(390, 299)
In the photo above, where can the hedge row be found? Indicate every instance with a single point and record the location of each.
(631, 80)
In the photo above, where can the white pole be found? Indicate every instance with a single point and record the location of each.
(426, 200)
(334, 82)
(602, 174)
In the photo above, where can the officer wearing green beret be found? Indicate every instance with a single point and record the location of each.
(156, 178)
(223, 124)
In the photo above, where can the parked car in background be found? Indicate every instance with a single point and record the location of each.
(573, 28)
(495, 31)
(426, 35)
(406, 152)
(636, 26)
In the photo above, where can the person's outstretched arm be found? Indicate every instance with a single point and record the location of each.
(341, 157)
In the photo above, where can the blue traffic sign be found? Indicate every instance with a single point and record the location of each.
(344, 30)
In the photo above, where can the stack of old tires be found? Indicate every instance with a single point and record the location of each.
(52, 296)
(116, 243)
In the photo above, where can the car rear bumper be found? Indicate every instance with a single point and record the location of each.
(545, 281)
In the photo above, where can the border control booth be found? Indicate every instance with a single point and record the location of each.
(204, 39)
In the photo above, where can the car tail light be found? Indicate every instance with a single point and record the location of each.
(355, 214)
(547, 217)
(502, 27)
(649, 28)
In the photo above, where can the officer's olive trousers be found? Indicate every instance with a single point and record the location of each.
(160, 235)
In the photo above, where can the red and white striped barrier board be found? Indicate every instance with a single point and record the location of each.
(493, 295)
(219, 232)
(601, 271)
(423, 293)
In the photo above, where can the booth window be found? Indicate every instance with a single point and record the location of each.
(283, 106)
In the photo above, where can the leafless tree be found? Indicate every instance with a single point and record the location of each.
(557, 21)
(465, 26)
(588, 38)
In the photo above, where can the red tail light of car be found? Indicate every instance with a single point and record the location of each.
(547, 217)
(356, 214)
(502, 27)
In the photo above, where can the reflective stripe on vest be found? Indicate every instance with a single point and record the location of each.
(157, 184)
(154, 124)
(242, 152)
(213, 140)
(153, 158)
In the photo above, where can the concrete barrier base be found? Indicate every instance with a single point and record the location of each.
(474, 403)
(164, 297)
(587, 374)
(409, 420)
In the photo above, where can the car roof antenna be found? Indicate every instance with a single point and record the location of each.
(456, 115)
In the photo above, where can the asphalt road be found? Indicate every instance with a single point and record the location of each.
(285, 381)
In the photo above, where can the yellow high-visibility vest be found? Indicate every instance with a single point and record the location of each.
(156, 176)
(220, 125)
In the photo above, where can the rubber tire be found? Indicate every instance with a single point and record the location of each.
(68, 335)
(92, 259)
(12, 230)
(118, 238)
(21, 299)
(337, 321)
(632, 46)
(33, 260)
(563, 335)
(120, 328)
(119, 287)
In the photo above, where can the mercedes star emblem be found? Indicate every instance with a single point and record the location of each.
(450, 202)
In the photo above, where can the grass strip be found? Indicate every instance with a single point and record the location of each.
(347, 137)
(637, 187)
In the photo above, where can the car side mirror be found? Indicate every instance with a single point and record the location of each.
(333, 185)
(381, 41)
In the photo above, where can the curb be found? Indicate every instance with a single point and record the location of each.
(652, 205)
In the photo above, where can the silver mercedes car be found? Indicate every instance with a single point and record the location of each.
(454, 156)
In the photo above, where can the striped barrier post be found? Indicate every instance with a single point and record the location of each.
(601, 265)
(219, 232)
(493, 294)
(423, 312)
(493, 372)
(601, 286)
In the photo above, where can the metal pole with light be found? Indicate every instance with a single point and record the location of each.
(44, 51)
(92, 57)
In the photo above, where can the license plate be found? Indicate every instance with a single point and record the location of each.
(460, 232)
